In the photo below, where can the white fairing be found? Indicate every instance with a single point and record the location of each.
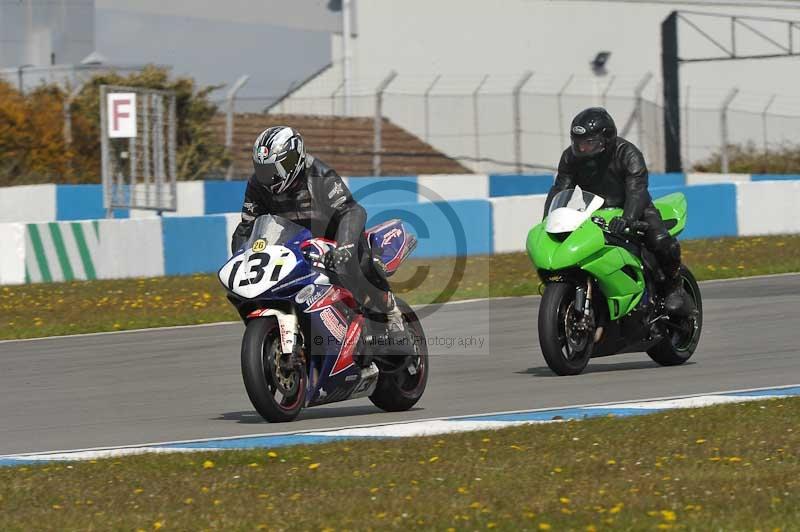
(252, 273)
(567, 218)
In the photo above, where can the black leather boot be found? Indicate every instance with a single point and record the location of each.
(677, 301)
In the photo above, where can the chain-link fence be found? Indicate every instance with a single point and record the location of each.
(510, 132)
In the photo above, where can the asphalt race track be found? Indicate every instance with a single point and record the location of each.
(185, 383)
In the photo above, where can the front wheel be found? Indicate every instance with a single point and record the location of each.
(565, 348)
(399, 388)
(683, 334)
(277, 392)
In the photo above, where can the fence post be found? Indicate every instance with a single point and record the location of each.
(333, 98)
(687, 159)
(376, 156)
(518, 119)
(608, 88)
(230, 101)
(561, 109)
(723, 126)
(476, 122)
(427, 108)
(640, 111)
(764, 125)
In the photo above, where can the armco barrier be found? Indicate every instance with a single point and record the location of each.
(12, 253)
(105, 249)
(28, 203)
(768, 208)
(48, 203)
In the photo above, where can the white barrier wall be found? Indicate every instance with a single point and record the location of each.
(453, 187)
(715, 179)
(191, 201)
(768, 207)
(29, 203)
(12, 253)
(514, 217)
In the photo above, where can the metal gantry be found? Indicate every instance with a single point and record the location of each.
(728, 51)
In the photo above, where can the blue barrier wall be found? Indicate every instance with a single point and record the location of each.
(224, 196)
(712, 209)
(667, 180)
(442, 228)
(82, 202)
(774, 177)
(519, 185)
(194, 244)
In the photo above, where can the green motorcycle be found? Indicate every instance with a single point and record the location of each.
(600, 296)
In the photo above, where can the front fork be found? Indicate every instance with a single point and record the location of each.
(583, 312)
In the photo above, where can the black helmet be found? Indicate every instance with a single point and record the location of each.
(279, 156)
(592, 131)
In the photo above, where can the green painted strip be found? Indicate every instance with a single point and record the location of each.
(86, 258)
(38, 249)
(27, 276)
(61, 252)
(96, 226)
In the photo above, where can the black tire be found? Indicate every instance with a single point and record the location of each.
(398, 392)
(259, 342)
(552, 334)
(679, 347)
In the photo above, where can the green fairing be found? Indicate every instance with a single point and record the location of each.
(586, 248)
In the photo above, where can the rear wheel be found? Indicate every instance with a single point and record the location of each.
(565, 348)
(683, 334)
(277, 392)
(402, 379)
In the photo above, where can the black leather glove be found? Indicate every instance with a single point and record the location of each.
(338, 256)
(618, 225)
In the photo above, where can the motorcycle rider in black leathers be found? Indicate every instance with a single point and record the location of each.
(609, 166)
(292, 184)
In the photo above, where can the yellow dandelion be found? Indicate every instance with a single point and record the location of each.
(668, 515)
(462, 490)
(611, 462)
(272, 454)
(475, 505)
(158, 525)
(313, 466)
(137, 491)
(699, 441)
(563, 500)
(188, 500)
(208, 464)
(433, 459)
(491, 525)
(544, 526)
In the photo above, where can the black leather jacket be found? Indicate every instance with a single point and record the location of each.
(619, 175)
(318, 200)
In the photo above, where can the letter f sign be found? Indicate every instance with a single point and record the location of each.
(122, 115)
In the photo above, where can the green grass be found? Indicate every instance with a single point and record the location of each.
(29, 311)
(727, 467)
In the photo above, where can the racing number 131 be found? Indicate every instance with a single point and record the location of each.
(256, 268)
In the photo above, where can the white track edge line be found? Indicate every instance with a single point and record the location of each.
(403, 422)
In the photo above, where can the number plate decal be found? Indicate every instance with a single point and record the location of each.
(252, 273)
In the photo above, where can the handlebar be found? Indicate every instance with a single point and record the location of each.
(635, 227)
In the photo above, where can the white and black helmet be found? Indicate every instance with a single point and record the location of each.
(279, 156)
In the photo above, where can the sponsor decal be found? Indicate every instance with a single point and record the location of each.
(339, 202)
(249, 207)
(305, 294)
(259, 245)
(336, 190)
(345, 358)
(391, 235)
(333, 323)
(329, 297)
(579, 130)
(262, 154)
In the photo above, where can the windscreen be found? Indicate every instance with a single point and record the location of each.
(274, 230)
(575, 199)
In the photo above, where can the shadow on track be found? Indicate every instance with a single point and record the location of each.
(251, 417)
(594, 367)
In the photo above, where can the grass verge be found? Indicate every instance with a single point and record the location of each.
(682, 470)
(30, 311)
